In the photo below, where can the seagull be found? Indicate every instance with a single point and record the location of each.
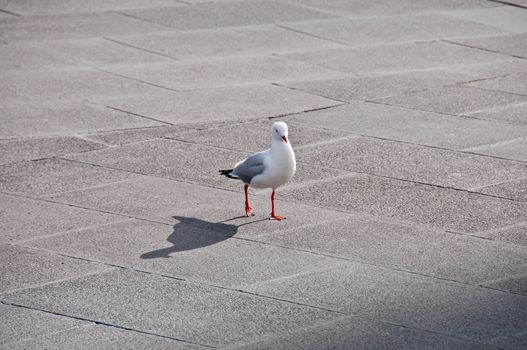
(266, 169)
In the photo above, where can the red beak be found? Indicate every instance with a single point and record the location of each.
(284, 138)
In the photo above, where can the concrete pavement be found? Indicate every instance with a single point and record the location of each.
(406, 221)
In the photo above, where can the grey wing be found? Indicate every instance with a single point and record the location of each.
(250, 167)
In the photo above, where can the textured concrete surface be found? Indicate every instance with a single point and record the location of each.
(406, 220)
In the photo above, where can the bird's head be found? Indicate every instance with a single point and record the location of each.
(280, 131)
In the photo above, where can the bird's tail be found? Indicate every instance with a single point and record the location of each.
(228, 173)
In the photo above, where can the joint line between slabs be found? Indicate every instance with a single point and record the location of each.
(352, 172)
(460, 84)
(142, 19)
(382, 267)
(517, 275)
(284, 85)
(160, 275)
(10, 13)
(508, 4)
(355, 135)
(316, 9)
(488, 233)
(285, 27)
(478, 148)
(476, 189)
(287, 300)
(141, 49)
(453, 42)
(502, 92)
(304, 111)
(137, 80)
(138, 115)
(427, 184)
(8, 303)
(234, 191)
(465, 151)
(112, 266)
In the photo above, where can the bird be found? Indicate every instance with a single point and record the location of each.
(266, 169)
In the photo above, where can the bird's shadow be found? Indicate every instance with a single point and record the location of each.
(192, 233)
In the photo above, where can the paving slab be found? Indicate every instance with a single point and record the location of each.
(48, 176)
(20, 323)
(65, 118)
(360, 333)
(456, 100)
(396, 57)
(407, 247)
(510, 44)
(516, 190)
(459, 310)
(74, 26)
(357, 8)
(254, 136)
(223, 72)
(30, 149)
(185, 161)
(183, 249)
(117, 115)
(220, 42)
(513, 149)
(24, 218)
(509, 18)
(163, 200)
(100, 337)
(223, 104)
(510, 114)
(455, 210)
(54, 7)
(168, 306)
(370, 87)
(227, 14)
(24, 268)
(390, 29)
(514, 83)
(395, 123)
(412, 162)
(66, 84)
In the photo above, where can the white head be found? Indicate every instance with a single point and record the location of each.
(280, 131)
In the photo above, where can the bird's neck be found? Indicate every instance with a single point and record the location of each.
(279, 147)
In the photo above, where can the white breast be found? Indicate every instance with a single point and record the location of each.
(280, 167)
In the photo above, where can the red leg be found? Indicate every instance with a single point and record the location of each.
(273, 215)
(248, 211)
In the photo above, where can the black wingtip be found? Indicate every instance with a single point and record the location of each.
(227, 173)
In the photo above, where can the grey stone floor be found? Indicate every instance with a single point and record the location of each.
(406, 221)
